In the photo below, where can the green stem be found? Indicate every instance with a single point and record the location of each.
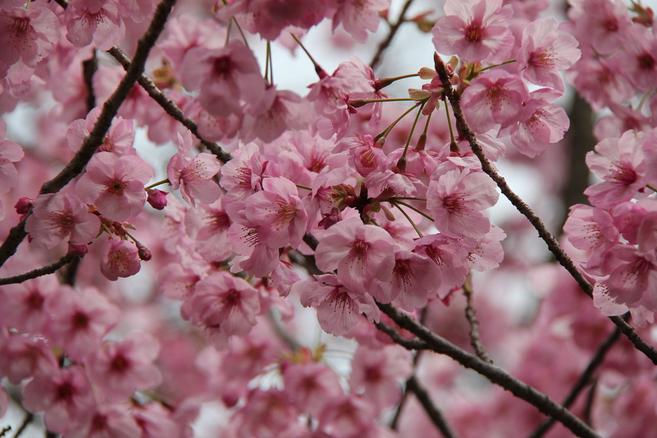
(157, 183)
(408, 218)
(417, 210)
(509, 61)
(386, 131)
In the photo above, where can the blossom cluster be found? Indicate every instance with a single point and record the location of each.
(342, 201)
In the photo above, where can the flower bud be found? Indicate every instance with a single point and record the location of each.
(23, 205)
(78, 249)
(157, 198)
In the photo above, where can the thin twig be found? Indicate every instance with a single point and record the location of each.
(416, 361)
(430, 408)
(40, 272)
(5, 430)
(582, 381)
(471, 316)
(95, 138)
(170, 107)
(525, 210)
(496, 375)
(26, 422)
(394, 28)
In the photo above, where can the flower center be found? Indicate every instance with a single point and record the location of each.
(646, 61)
(473, 32)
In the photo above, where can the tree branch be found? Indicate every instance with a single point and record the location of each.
(496, 375)
(471, 316)
(583, 380)
(89, 68)
(40, 272)
(394, 28)
(525, 210)
(170, 107)
(95, 138)
(430, 408)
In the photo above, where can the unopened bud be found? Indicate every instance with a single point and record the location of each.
(23, 205)
(427, 74)
(77, 249)
(157, 199)
(144, 253)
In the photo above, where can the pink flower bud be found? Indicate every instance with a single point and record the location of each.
(144, 253)
(23, 205)
(157, 198)
(78, 249)
(120, 259)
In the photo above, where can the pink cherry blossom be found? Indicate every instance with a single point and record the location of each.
(23, 305)
(449, 254)
(10, 153)
(357, 18)
(545, 51)
(277, 212)
(378, 374)
(338, 308)
(456, 200)
(619, 162)
(225, 77)
(348, 416)
(194, 176)
(540, 123)
(415, 280)
(494, 98)
(119, 139)
(23, 356)
(117, 369)
(108, 420)
(64, 395)
(61, 217)
(94, 21)
(115, 185)
(79, 320)
(475, 30)
(27, 35)
(359, 252)
(223, 305)
(120, 259)
(311, 386)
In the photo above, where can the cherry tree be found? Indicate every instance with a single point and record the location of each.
(191, 248)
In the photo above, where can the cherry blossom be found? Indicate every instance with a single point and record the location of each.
(474, 30)
(115, 185)
(61, 217)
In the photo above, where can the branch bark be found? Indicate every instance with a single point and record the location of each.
(583, 380)
(525, 210)
(95, 138)
(40, 272)
(471, 316)
(496, 375)
(430, 408)
(170, 107)
(394, 28)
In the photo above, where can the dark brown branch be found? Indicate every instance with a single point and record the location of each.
(40, 272)
(394, 28)
(496, 375)
(416, 361)
(95, 138)
(5, 430)
(471, 316)
(430, 408)
(525, 210)
(26, 422)
(89, 68)
(170, 107)
(583, 381)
